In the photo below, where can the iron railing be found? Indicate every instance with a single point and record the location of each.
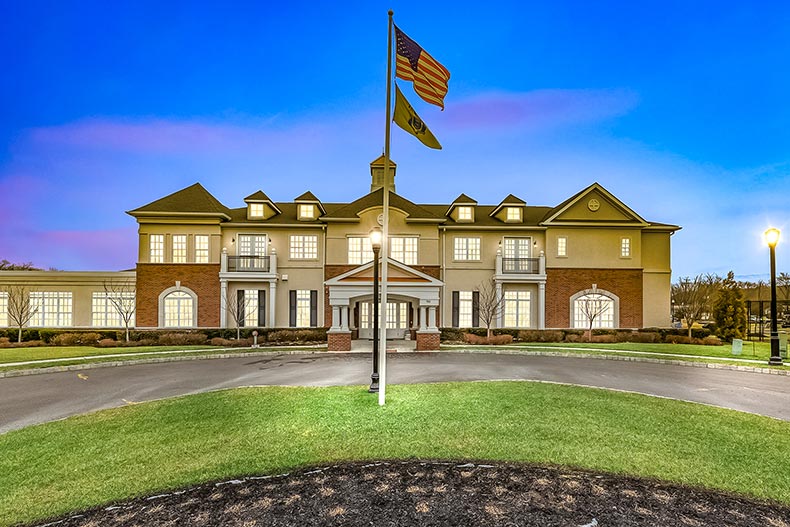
(249, 264)
(521, 265)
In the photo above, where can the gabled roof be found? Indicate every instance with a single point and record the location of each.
(257, 196)
(374, 199)
(309, 197)
(399, 273)
(192, 200)
(509, 201)
(625, 213)
(462, 199)
(379, 161)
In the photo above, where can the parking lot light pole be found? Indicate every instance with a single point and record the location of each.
(375, 243)
(772, 237)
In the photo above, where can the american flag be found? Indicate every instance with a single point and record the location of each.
(414, 64)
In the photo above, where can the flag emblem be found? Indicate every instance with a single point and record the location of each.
(407, 118)
(412, 63)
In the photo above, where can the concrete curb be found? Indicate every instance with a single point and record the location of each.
(286, 351)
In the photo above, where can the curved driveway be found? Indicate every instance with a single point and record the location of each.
(35, 399)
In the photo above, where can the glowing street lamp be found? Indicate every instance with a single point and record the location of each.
(375, 243)
(772, 238)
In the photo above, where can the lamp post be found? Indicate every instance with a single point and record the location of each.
(375, 243)
(772, 237)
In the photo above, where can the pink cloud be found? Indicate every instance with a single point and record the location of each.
(540, 108)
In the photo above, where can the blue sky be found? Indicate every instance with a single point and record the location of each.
(678, 108)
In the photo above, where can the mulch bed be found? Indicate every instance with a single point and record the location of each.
(414, 493)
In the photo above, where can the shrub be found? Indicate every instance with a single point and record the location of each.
(107, 343)
(182, 339)
(537, 335)
(451, 335)
(604, 338)
(678, 339)
(638, 336)
(76, 339)
(281, 336)
(500, 340)
(231, 343)
(712, 340)
(496, 340)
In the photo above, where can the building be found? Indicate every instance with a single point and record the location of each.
(307, 263)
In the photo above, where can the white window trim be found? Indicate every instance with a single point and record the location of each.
(465, 208)
(306, 206)
(160, 257)
(207, 250)
(518, 301)
(616, 307)
(629, 245)
(564, 254)
(180, 289)
(303, 237)
(416, 248)
(519, 215)
(254, 214)
(183, 257)
(479, 249)
(362, 252)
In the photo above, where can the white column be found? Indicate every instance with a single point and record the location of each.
(272, 304)
(223, 299)
(423, 317)
(542, 305)
(542, 263)
(336, 318)
(273, 262)
(500, 316)
(498, 270)
(344, 318)
(223, 261)
(432, 317)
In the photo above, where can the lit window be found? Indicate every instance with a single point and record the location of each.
(201, 248)
(625, 247)
(517, 309)
(179, 248)
(397, 315)
(404, 249)
(562, 246)
(53, 309)
(593, 310)
(306, 212)
(513, 213)
(256, 210)
(466, 249)
(3, 309)
(157, 248)
(302, 308)
(110, 309)
(465, 214)
(252, 244)
(360, 250)
(304, 247)
(178, 310)
(250, 308)
(465, 303)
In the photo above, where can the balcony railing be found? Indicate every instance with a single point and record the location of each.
(249, 264)
(521, 265)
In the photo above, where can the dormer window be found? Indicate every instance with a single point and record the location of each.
(306, 212)
(256, 210)
(465, 214)
(513, 214)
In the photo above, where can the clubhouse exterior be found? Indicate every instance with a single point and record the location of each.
(307, 263)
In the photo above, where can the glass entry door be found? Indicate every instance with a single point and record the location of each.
(397, 320)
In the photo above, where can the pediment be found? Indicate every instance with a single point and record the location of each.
(397, 273)
(594, 206)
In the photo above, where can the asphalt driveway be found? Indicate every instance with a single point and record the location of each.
(33, 399)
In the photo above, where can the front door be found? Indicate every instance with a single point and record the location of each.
(397, 320)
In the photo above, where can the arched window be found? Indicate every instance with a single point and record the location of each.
(595, 308)
(178, 308)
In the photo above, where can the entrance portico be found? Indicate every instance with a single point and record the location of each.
(412, 303)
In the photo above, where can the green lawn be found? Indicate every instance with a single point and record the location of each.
(141, 449)
(9, 355)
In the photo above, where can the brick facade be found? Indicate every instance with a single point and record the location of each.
(562, 284)
(338, 341)
(427, 341)
(203, 279)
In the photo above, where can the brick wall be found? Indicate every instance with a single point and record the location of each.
(561, 284)
(203, 279)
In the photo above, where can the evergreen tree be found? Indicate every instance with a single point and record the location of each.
(729, 310)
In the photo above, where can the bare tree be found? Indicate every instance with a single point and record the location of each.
(20, 309)
(490, 305)
(121, 294)
(592, 306)
(783, 286)
(237, 306)
(693, 298)
(5, 265)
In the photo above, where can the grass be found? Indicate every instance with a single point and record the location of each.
(141, 449)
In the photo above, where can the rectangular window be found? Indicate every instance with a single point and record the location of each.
(517, 309)
(157, 248)
(304, 247)
(404, 249)
(53, 309)
(517, 247)
(302, 308)
(250, 308)
(625, 247)
(513, 214)
(252, 244)
(108, 310)
(397, 315)
(562, 246)
(465, 309)
(359, 250)
(256, 210)
(3, 310)
(201, 248)
(465, 214)
(306, 212)
(179, 248)
(466, 249)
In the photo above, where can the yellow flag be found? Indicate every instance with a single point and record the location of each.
(407, 118)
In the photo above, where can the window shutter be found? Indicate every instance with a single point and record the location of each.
(476, 309)
(313, 308)
(261, 308)
(240, 308)
(455, 308)
(292, 308)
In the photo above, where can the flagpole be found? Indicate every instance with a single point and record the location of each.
(385, 226)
